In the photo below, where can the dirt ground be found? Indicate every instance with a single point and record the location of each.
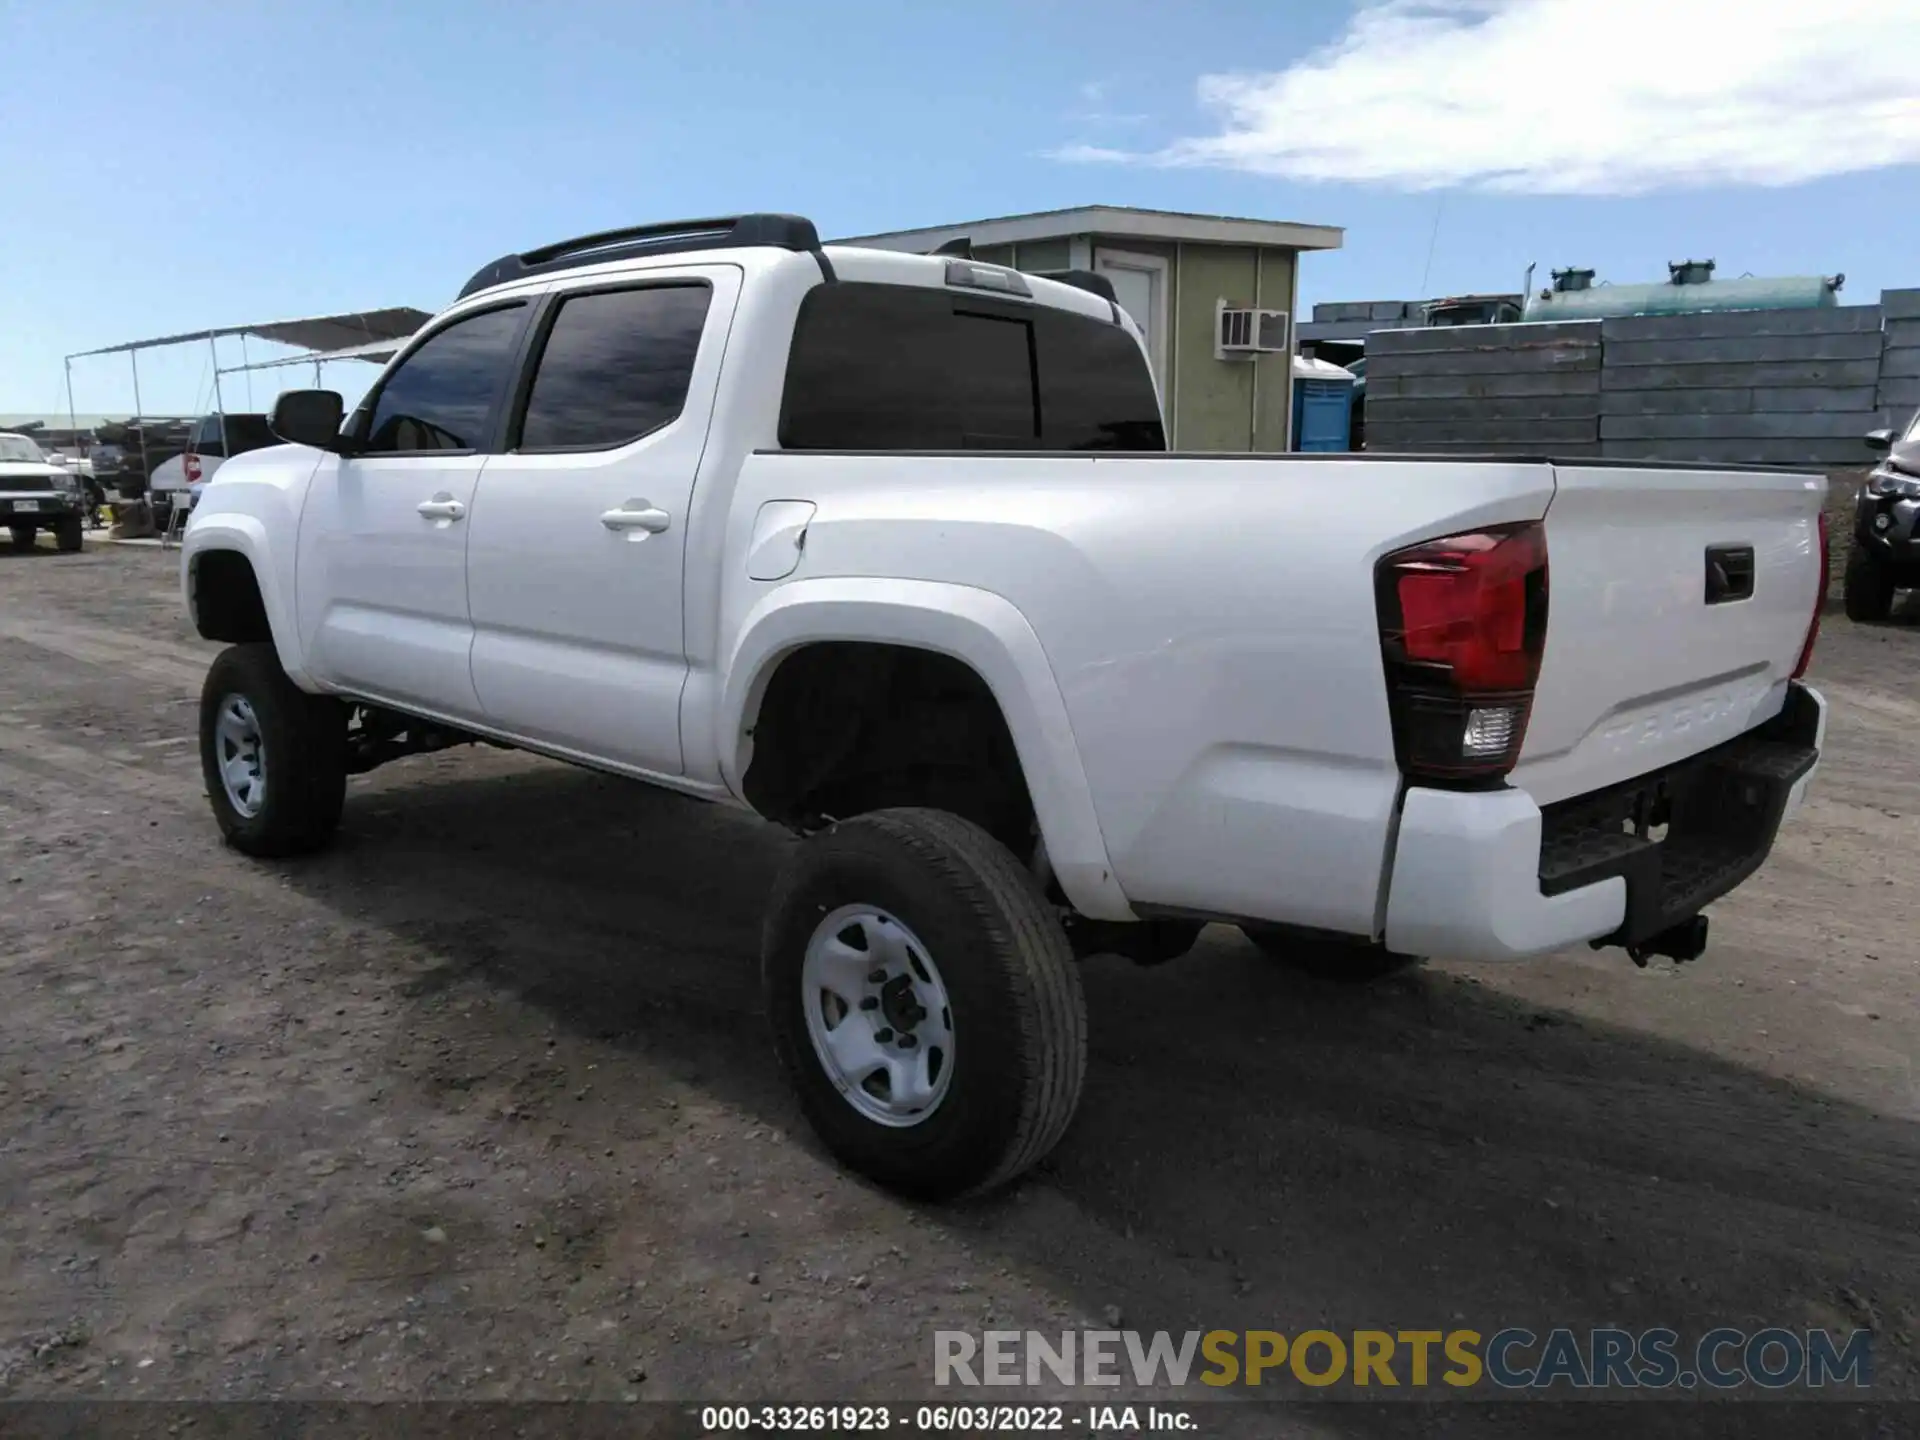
(479, 1103)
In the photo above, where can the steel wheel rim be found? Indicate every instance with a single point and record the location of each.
(241, 755)
(878, 1015)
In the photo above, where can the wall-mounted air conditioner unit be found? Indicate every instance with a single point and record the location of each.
(1241, 334)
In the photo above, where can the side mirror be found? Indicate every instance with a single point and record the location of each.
(1880, 441)
(309, 417)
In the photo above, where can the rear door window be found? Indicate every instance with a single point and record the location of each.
(616, 366)
(895, 367)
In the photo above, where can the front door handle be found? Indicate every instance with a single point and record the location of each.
(441, 507)
(637, 515)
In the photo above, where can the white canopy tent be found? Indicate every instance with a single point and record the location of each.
(374, 351)
(353, 334)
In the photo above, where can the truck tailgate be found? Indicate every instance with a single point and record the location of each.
(1678, 603)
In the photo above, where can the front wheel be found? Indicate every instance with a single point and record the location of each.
(1344, 962)
(274, 757)
(924, 1000)
(69, 533)
(1867, 588)
(22, 536)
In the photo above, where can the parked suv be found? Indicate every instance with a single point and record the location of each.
(1886, 526)
(36, 494)
(889, 550)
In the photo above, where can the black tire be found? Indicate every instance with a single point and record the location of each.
(302, 748)
(69, 533)
(1868, 587)
(23, 536)
(1019, 1020)
(1343, 962)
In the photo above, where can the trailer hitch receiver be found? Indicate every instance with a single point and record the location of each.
(1679, 943)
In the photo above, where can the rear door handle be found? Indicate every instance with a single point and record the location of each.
(441, 507)
(637, 515)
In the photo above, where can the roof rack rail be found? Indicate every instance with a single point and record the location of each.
(1088, 280)
(726, 232)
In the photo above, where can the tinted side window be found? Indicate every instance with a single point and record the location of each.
(616, 366)
(890, 367)
(442, 395)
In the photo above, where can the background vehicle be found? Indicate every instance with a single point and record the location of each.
(214, 440)
(36, 495)
(888, 548)
(1885, 554)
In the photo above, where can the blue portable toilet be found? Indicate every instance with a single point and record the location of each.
(1322, 405)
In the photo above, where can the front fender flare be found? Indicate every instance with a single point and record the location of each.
(980, 629)
(245, 535)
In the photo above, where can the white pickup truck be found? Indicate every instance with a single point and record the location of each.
(888, 548)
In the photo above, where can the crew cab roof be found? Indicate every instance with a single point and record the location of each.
(771, 238)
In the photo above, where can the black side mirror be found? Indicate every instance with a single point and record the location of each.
(309, 417)
(1880, 441)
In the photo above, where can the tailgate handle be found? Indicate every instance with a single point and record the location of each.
(1729, 573)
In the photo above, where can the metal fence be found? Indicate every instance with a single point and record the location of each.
(1798, 387)
(1900, 356)
(1486, 389)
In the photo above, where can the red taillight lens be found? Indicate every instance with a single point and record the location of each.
(190, 463)
(1462, 628)
(1463, 604)
(1819, 599)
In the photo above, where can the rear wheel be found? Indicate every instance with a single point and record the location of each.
(23, 536)
(274, 757)
(69, 532)
(925, 1003)
(1868, 587)
(1344, 962)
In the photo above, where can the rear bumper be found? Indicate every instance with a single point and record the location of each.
(1490, 875)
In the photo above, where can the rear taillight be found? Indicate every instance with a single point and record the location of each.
(190, 463)
(1463, 622)
(1819, 600)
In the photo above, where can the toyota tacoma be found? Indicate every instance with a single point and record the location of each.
(889, 549)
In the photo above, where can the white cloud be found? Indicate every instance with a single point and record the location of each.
(1589, 97)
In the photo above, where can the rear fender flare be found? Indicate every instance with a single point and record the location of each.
(984, 631)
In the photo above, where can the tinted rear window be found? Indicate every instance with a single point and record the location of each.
(894, 367)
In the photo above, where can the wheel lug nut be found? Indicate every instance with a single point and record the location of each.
(876, 977)
(869, 1003)
(907, 1042)
(883, 1034)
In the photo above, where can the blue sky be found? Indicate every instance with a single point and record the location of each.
(186, 164)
